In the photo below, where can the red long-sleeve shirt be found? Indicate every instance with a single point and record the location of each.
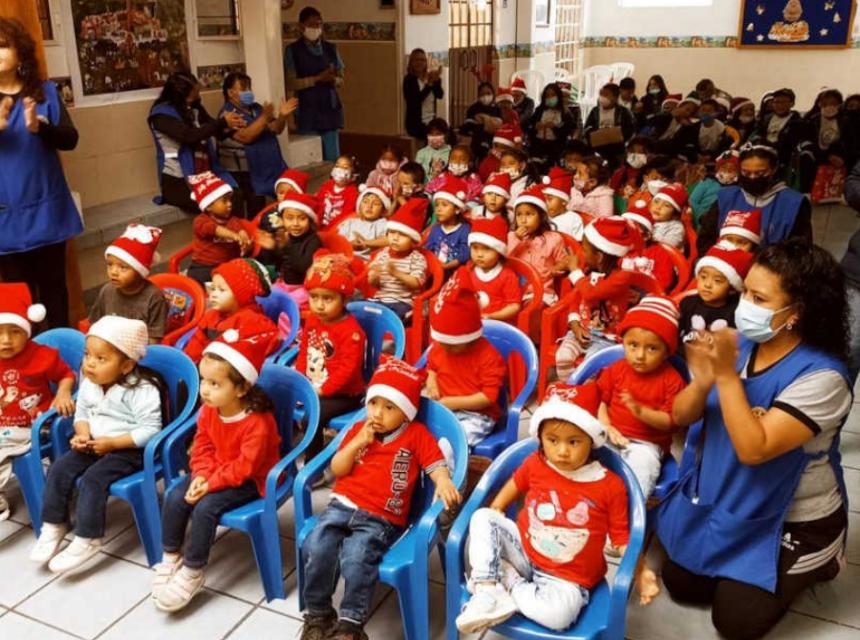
(331, 355)
(24, 383)
(206, 248)
(599, 303)
(214, 323)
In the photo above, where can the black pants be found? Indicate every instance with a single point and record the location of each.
(201, 272)
(741, 611)
(44, 271)
(246, 203)
(175, 191)
(330, 407)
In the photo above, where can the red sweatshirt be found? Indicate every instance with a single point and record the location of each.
(336, 204)
(24, 388)
(214, 323)
(230, 451)
(331, 355)
(208, 249)
(600, 302)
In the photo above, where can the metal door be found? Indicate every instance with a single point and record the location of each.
(472, 57)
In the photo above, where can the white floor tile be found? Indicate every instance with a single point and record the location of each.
(387, 622)
(852, 551)
(14, 561)
(664, 619)
(795, 626)
(17, 627)
(286, 514)
(68, 602)
(266, 624)
(232, 569)
(9, 527)
(209, 615)
(850, 448)
(835, 600)
(852, 486)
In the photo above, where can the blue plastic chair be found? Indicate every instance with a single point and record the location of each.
(259, 519)
(28, 467)
(594, 364)
(604, 616)
(139, 489)
(405, 565)
(508, 340)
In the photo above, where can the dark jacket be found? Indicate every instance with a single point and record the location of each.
(525, 109)
(844, 147)
(684, 143)
(414, 97)
(794, 137)
(851, 259)
(623, 118)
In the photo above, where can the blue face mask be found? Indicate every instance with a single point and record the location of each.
(706, 117)
(551, 102)
(246, 98)
(754, 321)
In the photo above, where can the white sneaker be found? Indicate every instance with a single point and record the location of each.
(5, 510)
(77, 553)
(489, 606)
(180, 589)
(48, 542)
(164, 570)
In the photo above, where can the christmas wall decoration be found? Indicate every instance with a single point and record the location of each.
(796, 24)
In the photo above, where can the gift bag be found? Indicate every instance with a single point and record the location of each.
(829, 184)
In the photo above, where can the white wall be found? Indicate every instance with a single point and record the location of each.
(606, 18)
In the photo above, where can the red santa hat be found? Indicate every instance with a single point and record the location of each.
(455, 314)
(306, 203)
(492, 232)
(728, 157)
(136, 247)
(732, 262)
(558, 183)
(638, 212)
(534, 196)
(246, 278)
(654, 313)
(244, 348)
(409, 219)
(16, 306)
(384, 197)
(612, 235)
(500, 184)
(453, 190)
(672, 98)
(508, 135)
(723, 102)
(398, 383)
(518, 85)
(746, 224)
(331, 271)
(298, 180)
(574, 403)
(129, 336)
(739, 103)
(504, 95)
(692, 100)
(206, 188)
(675, 194)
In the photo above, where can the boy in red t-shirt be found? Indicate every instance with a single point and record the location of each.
(26, 371)
(544, 564)
(331, 350)
(376, 466)
(464, 371)
(499, 292)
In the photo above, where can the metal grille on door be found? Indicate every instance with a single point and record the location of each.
(472, 58)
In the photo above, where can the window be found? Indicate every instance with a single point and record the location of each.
(640, 4)
(568, 28)
(217, 18)
(44, 10)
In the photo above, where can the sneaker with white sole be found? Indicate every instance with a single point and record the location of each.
(5, 509)
(180, 589)
(77, 553)
(48, 543)
(489, 606)
(164, 570)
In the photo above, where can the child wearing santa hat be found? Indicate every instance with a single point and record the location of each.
(533, 241)
(507, 136)
(118, 411)
(332, 344)
(459, 166)
(218, 235)
(236, 285)
(366, 231)
(601, 296)
(399, 271)
(339, 194)
(742, 229)
(368, 512)
(128, 293)
(523, 104)
(591, 192)
(495, 194)
(235, 446)
(300, 217)
(27, 371)
(557, 188)
(666, 208)
(448, 238)
(544, 564)
(500, 295)
(291, 181)
(514, 162)
(465, 372)
(653, 258)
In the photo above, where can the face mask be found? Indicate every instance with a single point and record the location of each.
(436, 142)
(654, 186)
(246, 98)
(830, 112)
(551, 102)
(458, 169)
(654, 91)
(756, 187)
(604, 102)
(637, 160)
(340, 175)
(746, 119)
(486, 99)
(579, 183)
(706, 118)
(313, 34)
(727, 178)
(513, 172)
(753, 321)
(387, 165)
(407, 190)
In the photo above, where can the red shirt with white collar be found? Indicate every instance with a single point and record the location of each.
(24, 380)
(566, 517)
(500, 283)
(331, 355)
(478, 369)
(384, 475)
(336, 203)
(214, 323)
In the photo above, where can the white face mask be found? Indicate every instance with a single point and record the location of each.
(726, 177)
(746, 118)
(654, 186)
(436, 142)
(605, 102)
(341, 176)
(313, 33)
(513, 172)
(486, 99)
(458, 169)
(637, 160)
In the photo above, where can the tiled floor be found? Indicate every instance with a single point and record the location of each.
(110, 599)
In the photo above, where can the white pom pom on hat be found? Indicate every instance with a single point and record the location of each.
(36, 312)
(546, 180)
(483, 299)
(231, 336)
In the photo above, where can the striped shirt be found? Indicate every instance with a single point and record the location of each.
(392, 289)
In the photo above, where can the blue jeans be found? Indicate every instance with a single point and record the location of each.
(348, 542)
(204, 519)
(853, 296)
(97, 474)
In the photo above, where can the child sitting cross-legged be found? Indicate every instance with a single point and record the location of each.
(27, 369)
(366, 231)
(496, 195)
(499, 292)
(118, 411)
(666, 208)
(464, 371)
(128, 293)
(448, 239)
(235, 446)
(368, 512)
(544, 564)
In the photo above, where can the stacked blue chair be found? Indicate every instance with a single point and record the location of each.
(28, 467)
(508, 340)
(405, 565)
(259, 519)
(604, 616)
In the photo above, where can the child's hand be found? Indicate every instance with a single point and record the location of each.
(101, 446)
(634, 407)
(367, 435)
(628, 191)
(358, 241)
(63, 403)
(582, 335)
(447, 492)
(244, 241)
(79, 443)
(432, 388)
(391, 268)
(5, 109)
(198, 488)
(269, 111)
(615, 437)
(521, 232)
(234, 120)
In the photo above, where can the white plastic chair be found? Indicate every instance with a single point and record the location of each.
(563, 75)
(621, 70)
(535, 82)
(593, 80)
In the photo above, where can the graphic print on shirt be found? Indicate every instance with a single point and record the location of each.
(555, 534)
(320, 349)
(399, 481)
(698, 323)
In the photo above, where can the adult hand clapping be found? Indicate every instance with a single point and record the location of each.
(5, 109)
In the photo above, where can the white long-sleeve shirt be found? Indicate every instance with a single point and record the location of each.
(120, 411)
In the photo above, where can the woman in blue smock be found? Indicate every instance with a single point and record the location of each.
(252, 154)
(759, 511)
